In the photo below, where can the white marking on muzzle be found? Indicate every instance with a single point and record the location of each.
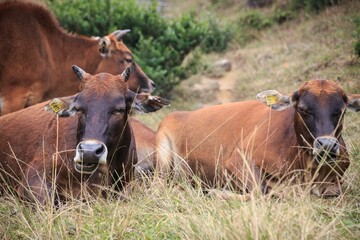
(317, 150)
(78, 159)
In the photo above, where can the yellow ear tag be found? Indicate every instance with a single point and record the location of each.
(56, 105)
(271, 99)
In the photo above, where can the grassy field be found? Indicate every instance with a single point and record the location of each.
(281, 57)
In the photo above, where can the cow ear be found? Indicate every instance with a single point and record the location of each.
(126, 74)
(61, 106)
(104, 46)
(81, 74)
(274, 99)
(146, 103)
(354, 102)
(119, 34)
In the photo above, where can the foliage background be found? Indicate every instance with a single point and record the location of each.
(161, 44)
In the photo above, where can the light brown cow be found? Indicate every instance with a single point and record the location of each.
(90, 148)
(145, 139)
(244, 139)
(36, 56)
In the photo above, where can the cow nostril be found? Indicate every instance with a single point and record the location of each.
(100, 150)
(326, 148)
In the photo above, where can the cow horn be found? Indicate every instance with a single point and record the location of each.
(120, 33)
(79, 72)
(126, 74)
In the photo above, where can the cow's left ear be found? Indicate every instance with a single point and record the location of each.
(104, 44)
(354, 102)
(274, 99)
(126, 74)
(61, 106)
(144, 102)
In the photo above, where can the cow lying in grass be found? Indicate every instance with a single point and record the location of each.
(90, 148)
(249, 144)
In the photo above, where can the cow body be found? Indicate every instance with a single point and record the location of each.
(249, 137)
(145, 139)
(88, 149)
(36, 55)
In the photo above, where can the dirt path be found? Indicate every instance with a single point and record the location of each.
(226, 86)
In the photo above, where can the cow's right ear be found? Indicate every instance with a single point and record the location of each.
(354, 102)
(61, 106)
(274, 99)
(146, 103)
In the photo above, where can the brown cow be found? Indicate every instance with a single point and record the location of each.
(145, 139)
(36, 55)
(244, 139)
(41, 154)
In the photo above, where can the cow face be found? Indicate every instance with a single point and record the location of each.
(117, 56)
(319, 109)
(102, 107)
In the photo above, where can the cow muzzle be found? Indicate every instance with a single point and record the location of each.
(89, 154)
(326, 148)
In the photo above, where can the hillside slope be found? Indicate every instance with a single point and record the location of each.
(282, 57)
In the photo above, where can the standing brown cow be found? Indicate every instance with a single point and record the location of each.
(246, 140)
(89, 148)
(36, 55)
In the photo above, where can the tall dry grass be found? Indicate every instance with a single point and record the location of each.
(314, 46)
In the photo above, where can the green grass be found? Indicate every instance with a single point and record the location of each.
(281, 58)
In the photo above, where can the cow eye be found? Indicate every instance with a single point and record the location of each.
(128, 60)
(118, 111)
(304, 111)
(78, 109)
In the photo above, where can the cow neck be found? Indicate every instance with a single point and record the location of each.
(121, 160)
(80, 50)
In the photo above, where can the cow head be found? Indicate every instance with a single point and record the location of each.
(319, 106)
(117, 56)
(102, 107)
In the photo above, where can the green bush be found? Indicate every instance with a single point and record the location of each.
(356, 34)
(255, 19)
(161, 45)
(216, 38)
(283, 15)
(313, 5)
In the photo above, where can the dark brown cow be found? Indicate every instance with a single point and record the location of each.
(36, 55)
(41, 154)
(244, 139)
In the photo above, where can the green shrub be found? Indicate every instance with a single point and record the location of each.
(216, 37)
(161, 45)
(99, 17)
(283, 15)
(255, 19)
(313, 5)
(356, 34)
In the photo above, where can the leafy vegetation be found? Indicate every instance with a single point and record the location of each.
(160, 44)
(313, 5)
(356, 34)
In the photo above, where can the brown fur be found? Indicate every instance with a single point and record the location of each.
(36, 55)
(241, 137)
(37, 147)
(145, 139)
